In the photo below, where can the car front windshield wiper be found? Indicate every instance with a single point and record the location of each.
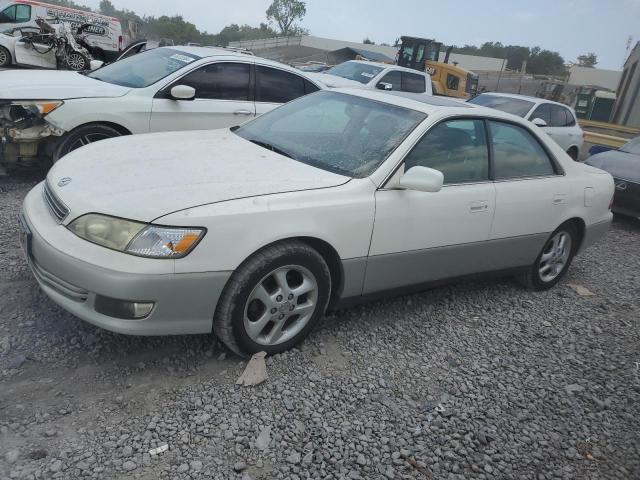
(273, 148)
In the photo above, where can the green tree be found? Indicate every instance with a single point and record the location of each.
(107, 8)
(285, 13)
(588, 60)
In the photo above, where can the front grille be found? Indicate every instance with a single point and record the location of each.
(58, 209)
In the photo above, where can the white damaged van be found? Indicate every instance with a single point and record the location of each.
(102, 34)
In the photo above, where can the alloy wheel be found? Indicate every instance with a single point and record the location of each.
(555, 256)
(281, 305)
(87, 139)
(76, 61)
(3, 57)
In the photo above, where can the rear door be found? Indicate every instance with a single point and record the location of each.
(223, 99)
(531, 193)
(274, 86)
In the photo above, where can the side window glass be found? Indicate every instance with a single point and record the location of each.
(457, 148)
(220, 81)
(558, 116)
(571, 120)
(516, 153)
(543, 112)
(8, 15)
(412, 82)
(277, 86)
(452, 82)
(309, 87)
(395, 79)
(23, 13)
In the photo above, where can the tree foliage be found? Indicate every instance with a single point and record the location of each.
(539, 61)
(285, 13)
(587, 60)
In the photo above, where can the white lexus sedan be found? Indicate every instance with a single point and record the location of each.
(253, 232)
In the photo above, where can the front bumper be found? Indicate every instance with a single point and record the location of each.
(184, 303)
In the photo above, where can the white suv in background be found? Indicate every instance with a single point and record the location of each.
(374, 75)
(556, 119)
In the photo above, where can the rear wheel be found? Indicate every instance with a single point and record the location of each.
(5, 57)
(83, 136)
(273, 300)
(554, 259)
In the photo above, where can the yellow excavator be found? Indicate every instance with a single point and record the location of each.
(450, 80)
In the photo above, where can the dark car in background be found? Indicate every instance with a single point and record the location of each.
(624, 165)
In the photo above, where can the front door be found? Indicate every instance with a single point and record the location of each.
(420, 237)
(223, 99)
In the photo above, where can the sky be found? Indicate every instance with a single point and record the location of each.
(570, 27)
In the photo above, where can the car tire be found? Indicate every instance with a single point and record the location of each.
(573, 153)
(554, 259)
(82, 136)
(77, 61)
(5, 58)
(252, 315)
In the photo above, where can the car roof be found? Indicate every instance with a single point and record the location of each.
(212, 52)
(535, 100)
(429, 104)
(387, 65)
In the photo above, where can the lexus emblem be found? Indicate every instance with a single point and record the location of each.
(621, 185)
(64, 181)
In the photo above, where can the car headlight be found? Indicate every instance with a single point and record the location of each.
(39, 108)
(136, 238)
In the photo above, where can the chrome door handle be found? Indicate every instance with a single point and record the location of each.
(477, 207)
(243, 112)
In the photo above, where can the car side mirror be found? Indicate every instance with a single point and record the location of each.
(95, 64)
(422, 179)
(539, 122)
(384, 86)
(183, 92)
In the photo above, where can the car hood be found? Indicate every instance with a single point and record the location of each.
(333, 81)
(53, 85)
(144, 177)
(619, 164)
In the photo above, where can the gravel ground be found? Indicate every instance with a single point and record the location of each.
(475, 380)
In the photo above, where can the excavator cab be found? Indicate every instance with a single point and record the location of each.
(423, 54)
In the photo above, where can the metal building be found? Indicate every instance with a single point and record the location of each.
(626, 110)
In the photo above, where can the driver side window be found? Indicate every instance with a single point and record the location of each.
(16, 14)
(457, 148)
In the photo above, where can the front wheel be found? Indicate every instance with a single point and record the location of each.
(273, 300)
(554, 259)
(573, 153)
(5, 58)
(83, 136)
(77, 61)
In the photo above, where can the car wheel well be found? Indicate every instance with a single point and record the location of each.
(121, 130)
(329, 255)
(575, 151)
(580, 227)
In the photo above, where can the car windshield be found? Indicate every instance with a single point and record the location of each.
(632, 146)
(360, 72)
(144, 69)
(341, 133)
(516, 106)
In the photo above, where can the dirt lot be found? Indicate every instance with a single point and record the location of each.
(474, 380)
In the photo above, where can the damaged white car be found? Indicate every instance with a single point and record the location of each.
(46, 114)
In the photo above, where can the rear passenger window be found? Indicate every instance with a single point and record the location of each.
(571, 120)
(395, 79)
(277, 86)
(412, 82)
(220, 81)
(16, 14)
(457, 148)
(516, 153)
